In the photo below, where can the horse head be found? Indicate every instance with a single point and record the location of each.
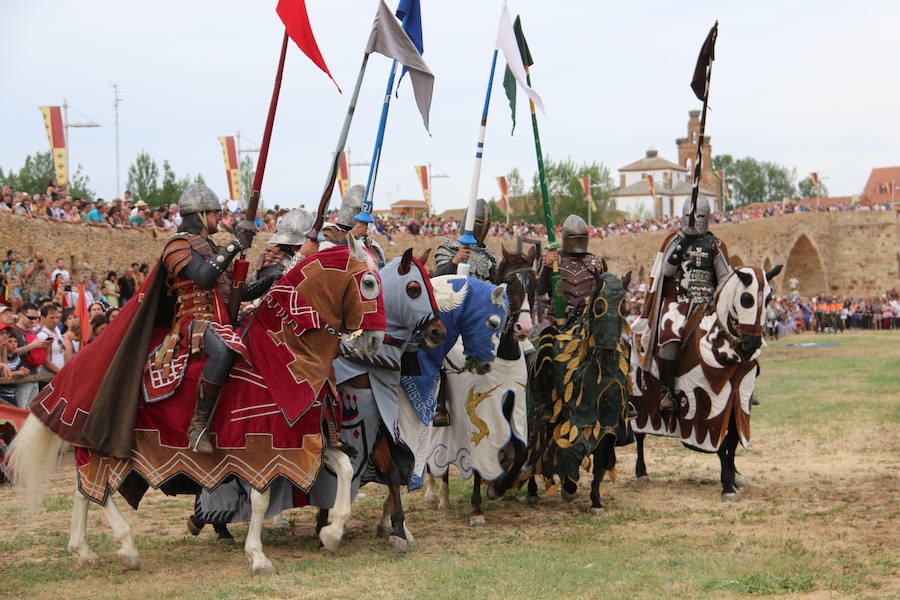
(412, 310)
(361, 298)
(517, 272)
(740, 308)
(475, 310)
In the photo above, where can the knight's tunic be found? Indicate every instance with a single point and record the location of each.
(701, 269)
(483, 262)
(578, 273)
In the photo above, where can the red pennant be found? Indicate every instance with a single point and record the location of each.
(296, 22)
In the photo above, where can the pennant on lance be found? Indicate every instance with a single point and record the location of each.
(296, 23)
(508, 43)
(700, 86)
(509, 80)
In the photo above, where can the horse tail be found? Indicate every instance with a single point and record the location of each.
(33, 457)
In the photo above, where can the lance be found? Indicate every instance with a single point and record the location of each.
(336, 161)
(559, 306)
(468, 237)
(241, 266)
(365, 212)
(704, 65)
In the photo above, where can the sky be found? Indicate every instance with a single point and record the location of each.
(804, 84)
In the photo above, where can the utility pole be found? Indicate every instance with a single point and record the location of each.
(238, 150)
(66, 126)
(431, 188)
(116, 101)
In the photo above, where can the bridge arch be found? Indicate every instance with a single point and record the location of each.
(804, 263)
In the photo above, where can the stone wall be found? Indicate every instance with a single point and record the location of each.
(847, 253)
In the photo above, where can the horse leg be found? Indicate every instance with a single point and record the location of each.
(532, 497)
(604, 460)
(568, 489)
(259, 562)
(77, 542)
(398, 536)
(640, 468)
(444, 491)
(223, 534)
(430, 496)
(321, 519)
(330, 535)
(730, 491)
(127, 553)
(496, 489)
(476, 519)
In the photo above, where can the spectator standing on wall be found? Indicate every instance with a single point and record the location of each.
(50, 331)
(126, 285)
(60, 270)
(38, 277)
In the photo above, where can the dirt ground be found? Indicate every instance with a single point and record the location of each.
(819, 519)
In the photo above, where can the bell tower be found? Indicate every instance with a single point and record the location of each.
(687, 154)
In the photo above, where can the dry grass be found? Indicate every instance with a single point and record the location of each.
(819, 520)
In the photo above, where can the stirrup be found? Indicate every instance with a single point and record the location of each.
(441, 418)
(198, 441)
(667, 403)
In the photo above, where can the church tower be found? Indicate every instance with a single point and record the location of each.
(687, 155)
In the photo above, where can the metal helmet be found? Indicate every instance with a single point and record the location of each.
(574, 235)
(482, 220)
(701, 217)
(198, 198)
(293, 227)
(351, 203)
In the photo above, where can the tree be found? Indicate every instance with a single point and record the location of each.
(143, 175)
(565, 191)
(247, 175)
(199, 179)
(807, 188)
(37, 172)
(171, 189)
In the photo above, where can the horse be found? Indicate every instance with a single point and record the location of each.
(268, 425)
(715, 376)
(367, 387)
(487, 435)
(578, 395)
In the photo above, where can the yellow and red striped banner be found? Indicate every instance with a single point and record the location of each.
(232, 167)
(343, 175)
(56, 135)
(649, 179)
(504, 193)
(586, 189)
(422, 174)
(815, 179)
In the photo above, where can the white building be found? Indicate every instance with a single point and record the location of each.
(671, 187)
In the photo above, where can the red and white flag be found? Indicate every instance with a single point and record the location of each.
(586, 189)
(649, 179)
(422, 176)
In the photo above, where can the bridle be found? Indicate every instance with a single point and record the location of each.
(524, 276)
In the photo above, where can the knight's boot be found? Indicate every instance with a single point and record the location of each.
(441, 414)
(207, 395)
(667, 384)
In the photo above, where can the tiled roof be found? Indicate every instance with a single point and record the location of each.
(652, 163)
(681, 188)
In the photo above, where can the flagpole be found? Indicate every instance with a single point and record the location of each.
(239, 274)
(335, 162)
(695, 190)
(468, 237)
(365, 212)
(556, 298)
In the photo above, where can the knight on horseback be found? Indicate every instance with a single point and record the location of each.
(199, 275)
(286, 248)
(578, 268)
(345, 223)
(482, 261)
(483, 264)
(690, 268)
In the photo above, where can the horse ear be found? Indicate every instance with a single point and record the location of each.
(505, 253)
(532, 254)
(424, 257)
(405, 262)
(356, 249)
(626, 280)
(497, 294)
(774, 272)
(746, 278)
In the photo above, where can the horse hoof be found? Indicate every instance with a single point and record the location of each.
(194, 527)
(731, 497)
(331, 540)
(492, 493)
(529, 500)
(129, 561)
(85, 560)
(443, 505)
(642, 479)
(431, 500)
(398, 543)
(567, 496)
(477, 521)
(383, 531)
(741, 481)
(264, 568)
(225, 540)
(598, 512)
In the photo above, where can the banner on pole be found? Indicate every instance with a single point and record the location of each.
(586, 188)
(422, 175)
(504, 193)
(56, 135)
(344, 175)
(232, 167)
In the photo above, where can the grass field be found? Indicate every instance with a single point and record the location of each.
(820, 519)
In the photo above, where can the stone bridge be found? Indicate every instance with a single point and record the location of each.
(846, 253)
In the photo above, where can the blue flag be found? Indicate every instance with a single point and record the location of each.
(411, 12)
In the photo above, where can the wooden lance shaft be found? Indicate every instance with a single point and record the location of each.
(241, 266)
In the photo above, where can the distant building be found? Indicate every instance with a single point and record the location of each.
(671, 182)
(409, 208)
(881, 188)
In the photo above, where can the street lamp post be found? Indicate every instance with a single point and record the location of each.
(66, 126)
(431, 189)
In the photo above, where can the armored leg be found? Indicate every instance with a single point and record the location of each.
(441, 414)
(209, 387)
(667, 364)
